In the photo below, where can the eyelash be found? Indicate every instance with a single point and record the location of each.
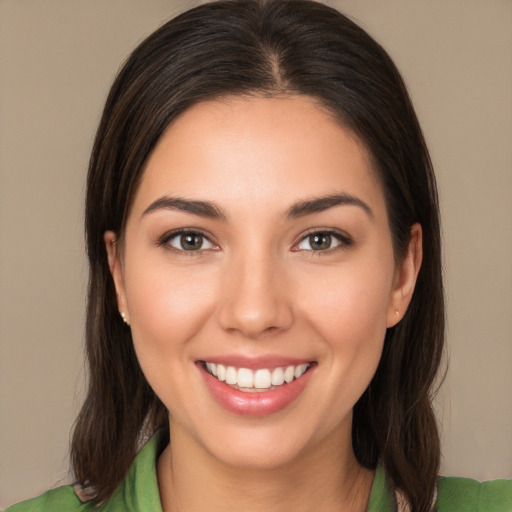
(344, 240)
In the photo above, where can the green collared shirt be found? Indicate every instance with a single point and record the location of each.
(139, 493)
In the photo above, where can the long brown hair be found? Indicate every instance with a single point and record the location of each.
(241, 47)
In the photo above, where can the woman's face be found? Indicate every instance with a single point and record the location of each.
(258, 248)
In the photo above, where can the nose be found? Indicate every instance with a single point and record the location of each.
(255, 299)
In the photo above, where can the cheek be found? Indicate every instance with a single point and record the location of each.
(351, 299)
(344, 308)
(160, 296)
(167, 309)
(348, 309)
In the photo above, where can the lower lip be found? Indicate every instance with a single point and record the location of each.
(259, 403)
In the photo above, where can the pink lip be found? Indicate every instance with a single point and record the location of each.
(254, 404)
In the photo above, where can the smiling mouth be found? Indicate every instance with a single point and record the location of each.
(254, 381)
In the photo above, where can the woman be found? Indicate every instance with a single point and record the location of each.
(265, 298)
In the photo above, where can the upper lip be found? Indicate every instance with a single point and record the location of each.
(255, 363)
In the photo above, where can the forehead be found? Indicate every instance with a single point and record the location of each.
(264, 152)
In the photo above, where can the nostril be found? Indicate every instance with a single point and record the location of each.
(253, 302)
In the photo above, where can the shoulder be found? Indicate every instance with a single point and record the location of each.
(467, 495)
(138, 491)
(62, 499)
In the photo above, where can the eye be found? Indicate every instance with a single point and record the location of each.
(188, 241)
(323, 241)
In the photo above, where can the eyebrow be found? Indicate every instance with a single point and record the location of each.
(201, 208)
(320, 204)
(301, 209)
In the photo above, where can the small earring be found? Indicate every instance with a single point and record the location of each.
(123, 316)
(397, 313)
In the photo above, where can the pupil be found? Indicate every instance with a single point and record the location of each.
(320, 241)
(191, 241)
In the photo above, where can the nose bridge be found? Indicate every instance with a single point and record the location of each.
(254, 300)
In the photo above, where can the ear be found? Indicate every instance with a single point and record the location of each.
(405, 277)
(114, 263)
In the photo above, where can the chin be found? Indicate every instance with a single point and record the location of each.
(264, 446)
(260, 454)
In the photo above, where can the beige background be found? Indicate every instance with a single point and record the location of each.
(57, 60)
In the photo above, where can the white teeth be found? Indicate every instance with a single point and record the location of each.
(231, 376)
(278, 377)
(262, 379)
(245, 378)
(289, 374)
(221, 372)
(251, 381)
(299, 370)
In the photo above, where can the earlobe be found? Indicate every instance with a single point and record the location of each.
(405, 277)
(114, 264)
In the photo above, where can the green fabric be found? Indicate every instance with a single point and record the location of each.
(381, 498)
(139, 493)
(466, 495)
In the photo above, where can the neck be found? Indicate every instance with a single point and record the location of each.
(327, 477)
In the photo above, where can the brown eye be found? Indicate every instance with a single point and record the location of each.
(320, 241)
(323, 241)
(190, 241)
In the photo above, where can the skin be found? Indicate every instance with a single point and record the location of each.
(256, 287)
